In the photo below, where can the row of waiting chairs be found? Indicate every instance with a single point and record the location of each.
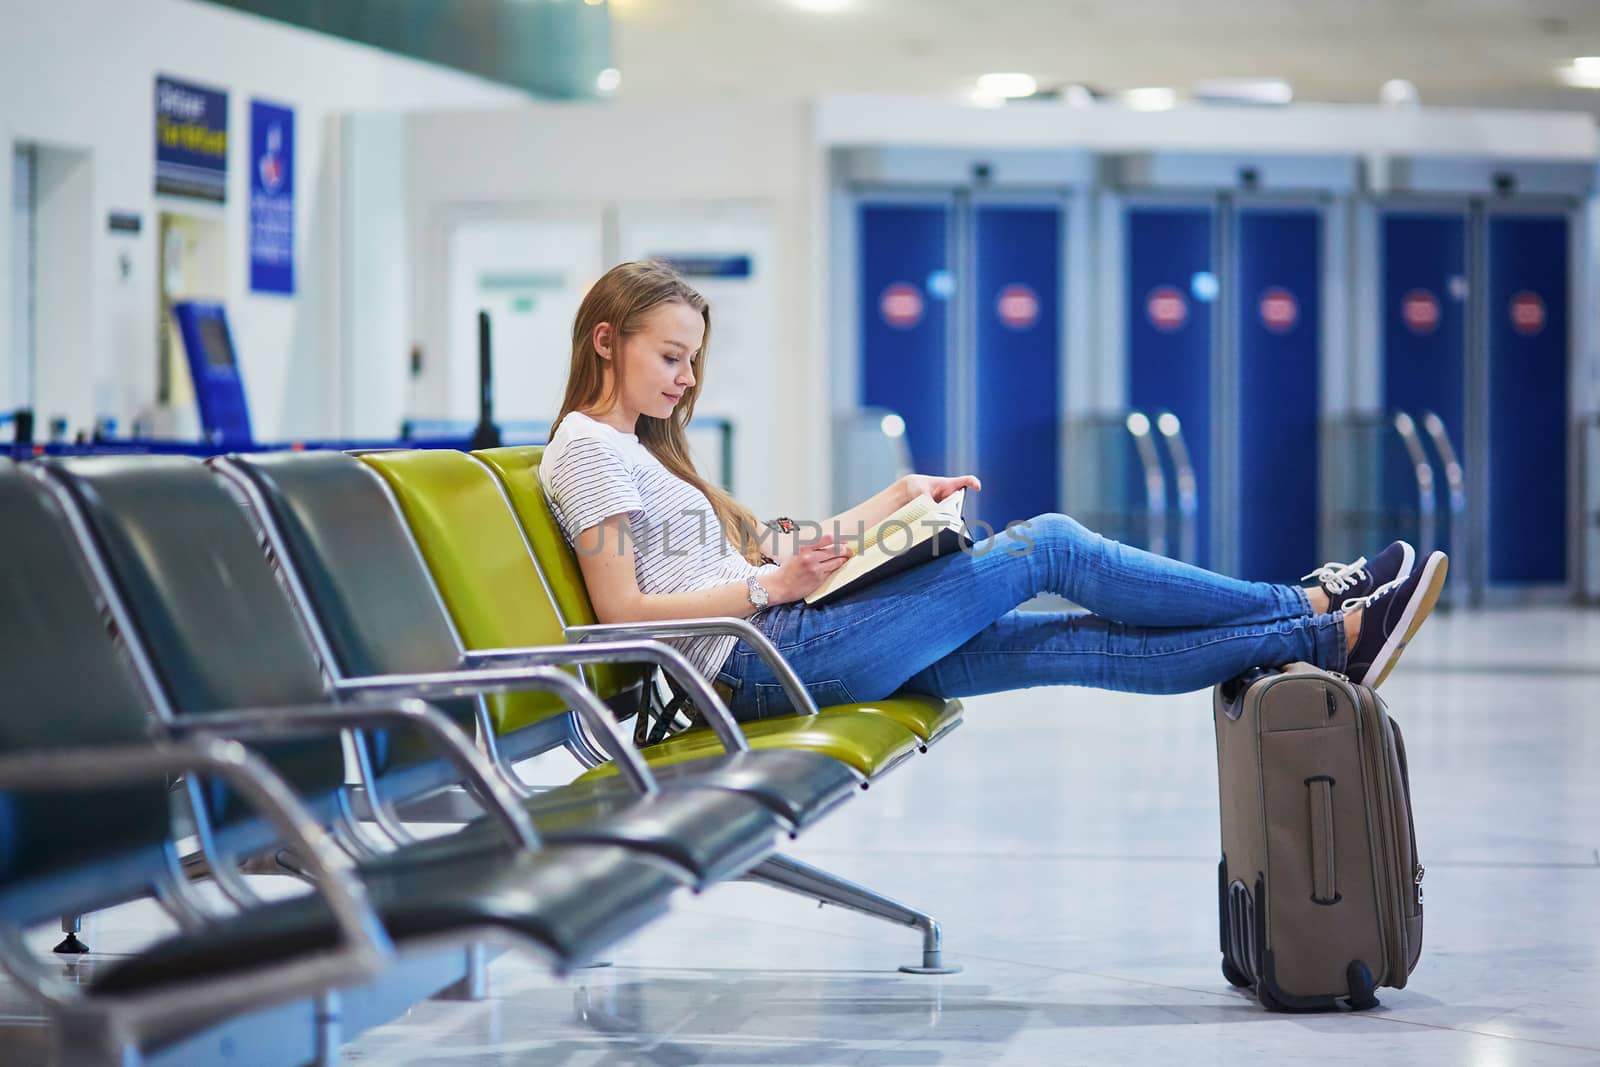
(281, 656)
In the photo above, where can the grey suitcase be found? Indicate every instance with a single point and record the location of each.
(1320, 888)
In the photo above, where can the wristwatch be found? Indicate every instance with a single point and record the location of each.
(758, 592)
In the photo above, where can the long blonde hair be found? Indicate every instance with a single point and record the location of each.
(622, 297)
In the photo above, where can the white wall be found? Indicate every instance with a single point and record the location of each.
(81, 74)
(626, 157)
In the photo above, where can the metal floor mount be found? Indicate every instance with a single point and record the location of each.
(794, 876)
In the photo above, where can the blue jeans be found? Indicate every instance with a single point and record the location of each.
(950, 627)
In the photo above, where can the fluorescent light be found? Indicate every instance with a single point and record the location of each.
(1398, 92)
(977, 99)
(1582, 73)
(1007, 86)
(1151, 99)
(608, 80)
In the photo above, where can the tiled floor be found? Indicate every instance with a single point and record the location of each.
(1067, 840)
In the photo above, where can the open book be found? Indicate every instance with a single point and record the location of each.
(922, 530)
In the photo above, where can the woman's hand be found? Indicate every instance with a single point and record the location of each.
(808, 568)
(938, 488)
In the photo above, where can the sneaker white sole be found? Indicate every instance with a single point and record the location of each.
(1423, 598)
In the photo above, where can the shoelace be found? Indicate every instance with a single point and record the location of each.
(1366, 601)
(1339, 577)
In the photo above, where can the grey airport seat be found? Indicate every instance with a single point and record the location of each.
(86, 823)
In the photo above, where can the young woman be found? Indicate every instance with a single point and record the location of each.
(657, 541)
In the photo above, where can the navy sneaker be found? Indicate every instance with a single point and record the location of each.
(1390, 618)
(1348, 582)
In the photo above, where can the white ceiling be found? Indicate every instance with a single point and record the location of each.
(1486, 52)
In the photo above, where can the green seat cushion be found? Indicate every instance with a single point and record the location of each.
(869, 743)
(929, 717)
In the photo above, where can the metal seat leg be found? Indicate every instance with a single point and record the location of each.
(790, 874)
(70, 945)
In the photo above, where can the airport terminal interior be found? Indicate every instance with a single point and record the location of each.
(324, 738)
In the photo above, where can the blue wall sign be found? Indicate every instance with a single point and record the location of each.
(271, 198)
(708, 265)
(191, 140)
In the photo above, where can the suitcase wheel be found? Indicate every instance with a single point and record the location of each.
(1234, 976)
(1362, 987)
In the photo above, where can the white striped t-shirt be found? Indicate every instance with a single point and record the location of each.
(591, 471)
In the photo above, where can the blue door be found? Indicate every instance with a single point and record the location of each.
(1018, 250)
(1170, 283)
(1424, 296)
(904, 277)
(1279, 275)
(1527, 399)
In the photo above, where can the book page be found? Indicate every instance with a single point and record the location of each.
(912, 514)
(918, 521)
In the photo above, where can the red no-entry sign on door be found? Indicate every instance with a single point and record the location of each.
(1167, 308)
(1279, 310)
(1419, 308)
(1018, 306)
(901, 305)
(1527, 313)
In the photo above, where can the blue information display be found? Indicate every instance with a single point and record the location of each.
(1528, 341)
(218, 389)
(191, 140)
(1424, 352)
(271, 198)
(1018, 287)
(1279, 332)
(904, 309)
(1170, 286)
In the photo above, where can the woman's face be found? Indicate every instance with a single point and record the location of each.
(658, 360)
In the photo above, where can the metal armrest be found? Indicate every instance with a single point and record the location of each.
(248, 773)
(532, 676)
(792, 685)
(299, 720)
(669, 659)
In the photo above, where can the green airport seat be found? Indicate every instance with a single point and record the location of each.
(486, 569)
